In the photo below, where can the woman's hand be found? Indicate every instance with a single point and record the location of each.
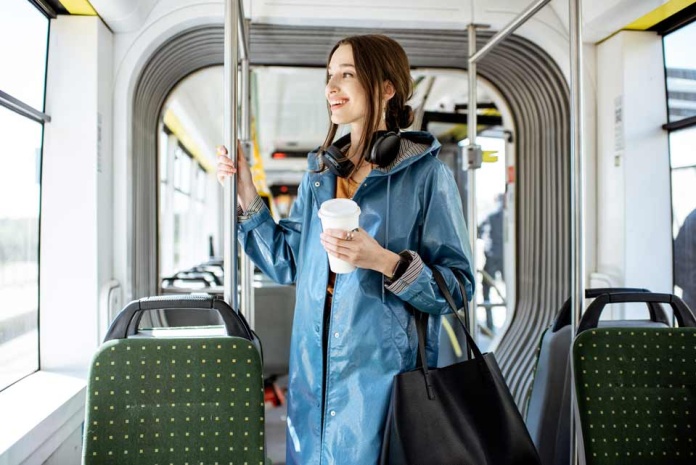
(359, 249)
(246, 192)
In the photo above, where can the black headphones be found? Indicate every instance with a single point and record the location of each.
(385, 148)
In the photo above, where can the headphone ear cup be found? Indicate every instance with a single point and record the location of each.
(334, 159)
(385, 149)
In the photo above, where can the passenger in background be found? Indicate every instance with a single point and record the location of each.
(353, 332)
(685, 260)
(491, 230)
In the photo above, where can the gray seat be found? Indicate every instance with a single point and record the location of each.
(616, 386)
(548, 408)
(274, 311)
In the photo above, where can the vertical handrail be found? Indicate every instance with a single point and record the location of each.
(471, 122)
(577, 186)
(243, 25)
(247, 267)
(231, 65)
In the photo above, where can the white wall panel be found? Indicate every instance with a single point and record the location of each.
(634, 213)
(76, 191)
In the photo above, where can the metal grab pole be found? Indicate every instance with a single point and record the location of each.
(243, 37)
(230, 128)
(247, 267)
(577, 195)
(508, 29)
(472, 150)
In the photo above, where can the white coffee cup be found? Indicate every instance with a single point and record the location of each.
(339, 214)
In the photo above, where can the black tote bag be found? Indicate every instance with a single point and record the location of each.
(462, 414)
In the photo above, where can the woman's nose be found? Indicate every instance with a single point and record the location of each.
(331, 86)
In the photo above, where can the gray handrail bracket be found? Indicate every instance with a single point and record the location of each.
(474, 156)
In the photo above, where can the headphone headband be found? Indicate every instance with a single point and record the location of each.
(383, 150)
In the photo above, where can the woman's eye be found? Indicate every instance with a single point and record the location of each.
(347, 75)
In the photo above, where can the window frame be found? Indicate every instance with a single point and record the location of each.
(27, 111)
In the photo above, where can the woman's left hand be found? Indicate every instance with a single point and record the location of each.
(359, 249)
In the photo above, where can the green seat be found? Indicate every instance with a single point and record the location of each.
(176, 399)
(636, 395)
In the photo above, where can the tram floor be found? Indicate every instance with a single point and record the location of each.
(276, 420)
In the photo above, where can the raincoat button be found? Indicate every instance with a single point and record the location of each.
(333, 413)
(317, 184)
(336, 335)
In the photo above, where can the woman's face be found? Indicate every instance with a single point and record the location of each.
(344, 92)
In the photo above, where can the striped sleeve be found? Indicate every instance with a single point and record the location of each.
(254, 207)
(409, 276)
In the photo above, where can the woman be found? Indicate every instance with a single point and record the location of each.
(353, 332)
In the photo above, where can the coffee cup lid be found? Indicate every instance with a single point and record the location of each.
(336, 208)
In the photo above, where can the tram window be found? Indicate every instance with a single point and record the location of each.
(22, 78)
(683, 160)
(164, 160)
(680, 65)
(201, 184)
(24, 62)
(20, 162)
(680, 70)
(182, 171)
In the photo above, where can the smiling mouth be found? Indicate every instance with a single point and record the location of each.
(336, 104)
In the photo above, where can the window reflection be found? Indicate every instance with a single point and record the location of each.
(681, 73)
(680, 70)
(684, 211)
(20, 161)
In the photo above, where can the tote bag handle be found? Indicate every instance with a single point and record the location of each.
(422, 325)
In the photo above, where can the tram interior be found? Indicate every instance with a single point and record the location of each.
(112, 111)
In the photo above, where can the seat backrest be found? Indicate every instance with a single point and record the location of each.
(176, 398)
(548, 408)
(635, 395)
(631, 376)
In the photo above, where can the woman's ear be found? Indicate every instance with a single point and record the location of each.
(388, 90)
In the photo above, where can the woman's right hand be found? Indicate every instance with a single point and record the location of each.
(246, 192)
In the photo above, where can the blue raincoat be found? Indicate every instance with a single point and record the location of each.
(413, 204)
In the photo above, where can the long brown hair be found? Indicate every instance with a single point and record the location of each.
(378, 58)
